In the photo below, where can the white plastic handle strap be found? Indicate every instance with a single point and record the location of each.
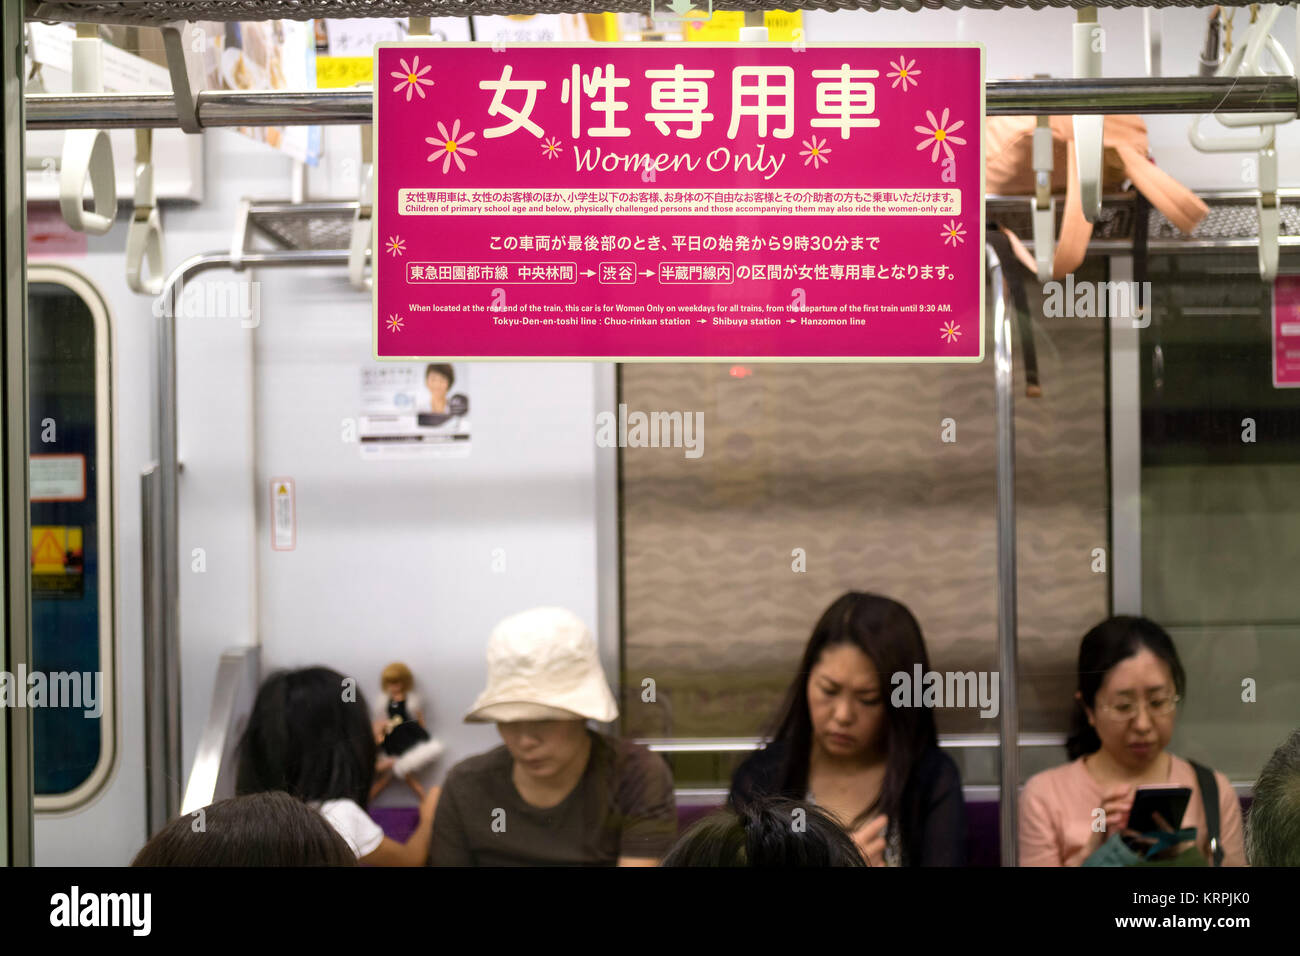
(144, 235)
(1152, 21)
(363, 230)
(1223, 144)
(1283, 61)
(87, 153)
(1245, 61)
(1269, 214)
(1044, 219)
(144, 243)
(1088, 129)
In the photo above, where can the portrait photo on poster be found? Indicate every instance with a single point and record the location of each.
(414, 410)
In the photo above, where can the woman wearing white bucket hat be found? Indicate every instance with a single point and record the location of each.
(556, 792)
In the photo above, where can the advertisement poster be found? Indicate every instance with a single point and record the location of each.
(1286, 332)
(344, 48)
(266, 55)
(679, 202)
(412, 411)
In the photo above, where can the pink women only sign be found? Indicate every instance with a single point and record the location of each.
(654, 202)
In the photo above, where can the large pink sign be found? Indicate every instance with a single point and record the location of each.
(676, 202)
(1286, 332)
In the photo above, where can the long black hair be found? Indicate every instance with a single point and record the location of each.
(885, 631)
(309, 735)
(768, 832)
(1113, 640)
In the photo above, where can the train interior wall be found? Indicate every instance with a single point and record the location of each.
(400, 560)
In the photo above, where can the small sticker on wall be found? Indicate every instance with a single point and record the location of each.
(284, 518)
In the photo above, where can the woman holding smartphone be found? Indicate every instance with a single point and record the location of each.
(1129, 685)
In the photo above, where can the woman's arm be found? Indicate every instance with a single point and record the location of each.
(944, 827)
(415, 851)
(1037, 832)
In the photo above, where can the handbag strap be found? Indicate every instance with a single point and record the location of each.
(1210, 799)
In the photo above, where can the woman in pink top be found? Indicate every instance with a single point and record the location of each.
(1130, 683)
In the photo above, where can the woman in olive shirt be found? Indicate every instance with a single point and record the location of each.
(556, 793)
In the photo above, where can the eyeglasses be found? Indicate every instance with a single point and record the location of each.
(1127, 709)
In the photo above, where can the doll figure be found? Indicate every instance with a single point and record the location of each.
(404, 745)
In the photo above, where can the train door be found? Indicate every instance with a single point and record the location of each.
(82, 685)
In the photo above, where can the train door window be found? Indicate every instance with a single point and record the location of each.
(1220, 518)
(71, 687)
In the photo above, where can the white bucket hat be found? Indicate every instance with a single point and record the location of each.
(543, 665)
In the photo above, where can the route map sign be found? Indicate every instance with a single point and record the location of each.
(679, 202)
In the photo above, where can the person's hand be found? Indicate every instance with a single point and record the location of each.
(428, 802)
(384, 764)
(1116, 802)
(870, 838)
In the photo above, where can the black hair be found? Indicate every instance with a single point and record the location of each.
(443, 369)
(260, 829)
(886, 632)
(1273, 823)
(1113, 640)
(769, 831)
(309, 734)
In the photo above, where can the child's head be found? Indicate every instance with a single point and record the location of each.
(309, 734)
(260, 829)
(396, 679)
(766, 832)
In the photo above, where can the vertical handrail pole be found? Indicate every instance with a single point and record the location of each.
(16, 757)
(1009, 716)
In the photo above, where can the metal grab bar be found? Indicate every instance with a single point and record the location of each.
(677, 745)
(347, 107)
(1004, 411)
(212, 777)
(160, 540)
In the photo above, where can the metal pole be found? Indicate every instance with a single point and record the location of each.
(16, 796)
(353, 107)
(161, 501)
(1009, 717)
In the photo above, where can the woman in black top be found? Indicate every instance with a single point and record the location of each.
(877, 768)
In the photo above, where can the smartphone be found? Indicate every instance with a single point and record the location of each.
(1169, 800)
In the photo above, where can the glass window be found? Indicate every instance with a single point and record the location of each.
(72, 535)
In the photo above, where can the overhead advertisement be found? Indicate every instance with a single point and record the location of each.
(701, 201)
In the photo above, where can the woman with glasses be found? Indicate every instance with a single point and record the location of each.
(1130, 684)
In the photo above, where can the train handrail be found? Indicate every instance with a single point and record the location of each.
(212, 777)
(1004, 429)
(160, 537)
(741, 744)
(350, 107)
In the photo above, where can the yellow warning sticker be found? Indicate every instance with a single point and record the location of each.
(57, 560)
